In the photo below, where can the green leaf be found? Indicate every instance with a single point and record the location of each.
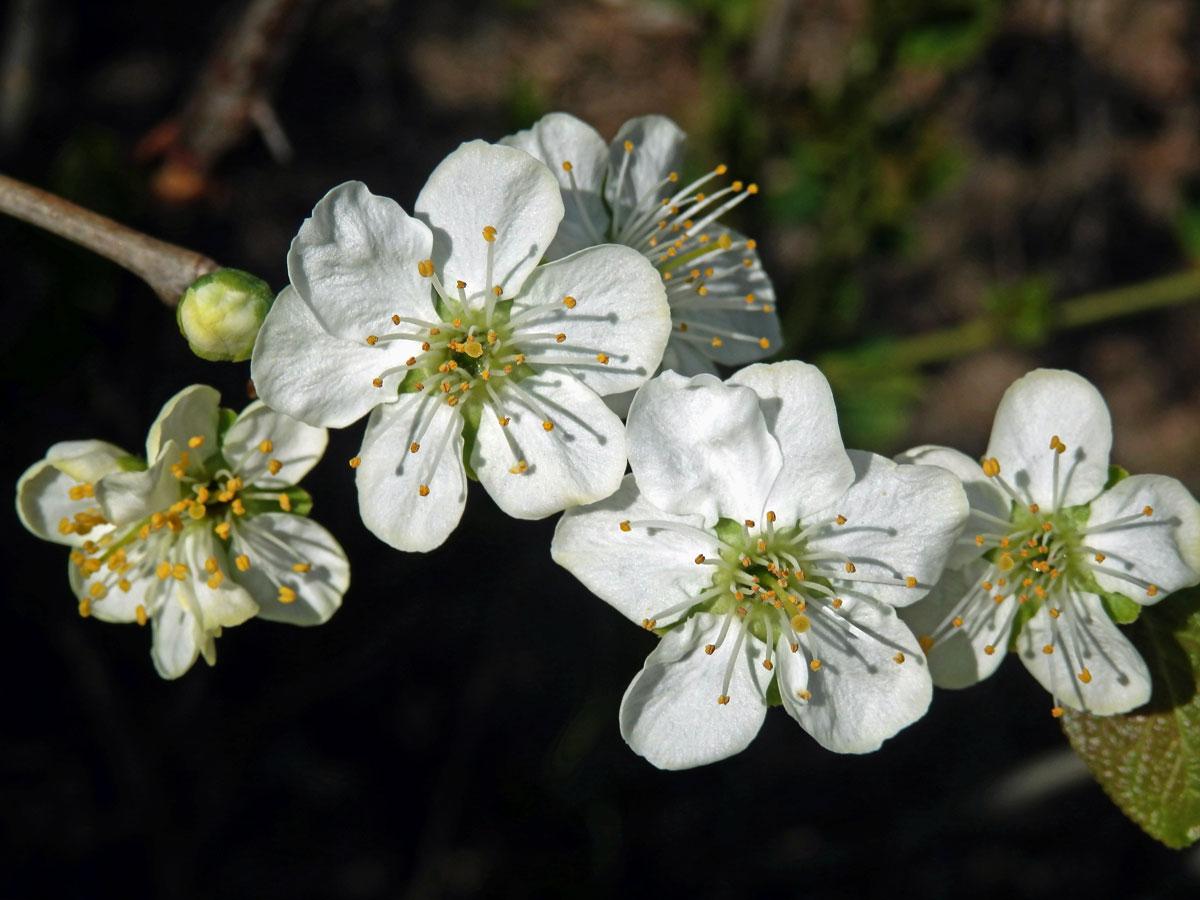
(1148, 761)
(1115, 474)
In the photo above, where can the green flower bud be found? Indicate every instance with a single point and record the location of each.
(220, 314)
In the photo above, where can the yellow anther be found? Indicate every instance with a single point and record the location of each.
(239, 508)
(910, 581)
(140, 612)
(372, 339)
(749, 523)
(989, 649)
(265, 447)
(925, 641)
(723, 700)
(602, 358)
(548, 425)
(460, 284)
(957, 621)
(395, 319)
(569, 302)
(497, 290)
(302, 567)
(453, 401)
(163, 570)
(214, 580)
(211, 565)
(710, 649)
(66, 526)
(566, 165)
(815, 665)
(1057, 712)
(285, 502)
(489, 233)
(355, 462)
(699, 558)
(180, 571)
(559, 338)
(649, 624)
(764, 343)
(503, 420)
(85, 607)
(222, 531)
(377, 382)
(991, 467)
(242, 562)
(286, 594)
(97, 591)
(979, 540)
(850, 568)
(1048, 649)
(841, 520)
(1151, 590)
(124, 585)
(898, 658)
(1054, 613)
(629, 146)
(751, 189)
(1033, 508)
(274, 466)
(625, 526)
(1148, 511)
(717, 342)
(425, 268)
(423, 490)
(837, 601)
(91, 566)
(800, 623)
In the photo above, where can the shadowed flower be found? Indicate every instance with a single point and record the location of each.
(1057, 545)
(770, 559)
(212, 533)
(722, 302)
(471, 358)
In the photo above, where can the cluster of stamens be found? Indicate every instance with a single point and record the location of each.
(148, 549)
(770, 582)
(701, 270)
(1035, 558)
(478, 356)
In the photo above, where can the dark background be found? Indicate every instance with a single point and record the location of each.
(452, 731)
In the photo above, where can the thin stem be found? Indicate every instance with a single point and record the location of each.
(168, 269)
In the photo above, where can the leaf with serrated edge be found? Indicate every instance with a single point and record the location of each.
(1148, 761)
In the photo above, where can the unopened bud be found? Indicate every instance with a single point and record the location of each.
(220, 314)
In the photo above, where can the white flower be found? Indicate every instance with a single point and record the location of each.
(209, 535)
(772, 559)
(1048, 544)
(448, 331)
(722, 302)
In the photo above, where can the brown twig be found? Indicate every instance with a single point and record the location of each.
(231, 96)
(168, 269)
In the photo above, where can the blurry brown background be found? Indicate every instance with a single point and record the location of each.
(452, 731)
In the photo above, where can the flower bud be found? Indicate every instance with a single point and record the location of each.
(220, 314)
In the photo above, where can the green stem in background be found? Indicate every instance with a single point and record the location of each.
(168, 269)
(1090, 309)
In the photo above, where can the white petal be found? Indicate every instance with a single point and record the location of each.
(1083, 637)
(190, 413)
(798, 407)
(146, 591)
(580, 460)
(390, 475)
(640, 572)
(43, 490)
(482, 184)
(699, 446)
(983, 496)
(297, 447)
(228, 603)
(1162, 549)
(177, 637)
(732, 283)
(277, 542)
(685, 358)
(657, 151)
(620, 312)
(959, 657)
(901, 523)
(304, 372)
(557, 138)
(670, 714)
(1036, 408)
(861, 695)
(128, 497)
(355, 262)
